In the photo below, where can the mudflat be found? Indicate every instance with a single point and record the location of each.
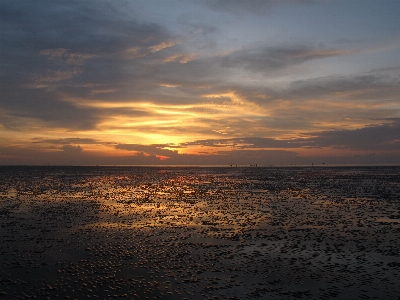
(200, 233)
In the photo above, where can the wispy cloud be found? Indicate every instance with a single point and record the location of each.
(267, 59)
(68, 58)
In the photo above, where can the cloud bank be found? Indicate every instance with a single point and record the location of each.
(198, 82)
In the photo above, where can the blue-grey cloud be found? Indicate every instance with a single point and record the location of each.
(254, 6)
(267, 59)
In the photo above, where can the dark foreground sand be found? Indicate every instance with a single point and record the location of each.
(199, 233)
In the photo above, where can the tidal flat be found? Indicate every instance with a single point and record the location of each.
(199, 232)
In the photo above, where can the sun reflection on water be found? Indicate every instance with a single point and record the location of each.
(180, 226)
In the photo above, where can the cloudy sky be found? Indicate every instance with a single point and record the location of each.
(200, 82)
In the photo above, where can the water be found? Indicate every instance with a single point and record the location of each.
(200, 232)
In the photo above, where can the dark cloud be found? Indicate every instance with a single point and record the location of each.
(15, 155)
(309, 102)
(55, 50)
(260, 59)
(80, 26)
(219, 158)
(259, 157)
(45, 106)
(69, 141)
(385, 137)
(267, 59)
(380, 137)
(154, 150)
(247, 143)
(253, 6)
(375, 86)
(71, 149)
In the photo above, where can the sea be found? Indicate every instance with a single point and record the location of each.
(200, 232)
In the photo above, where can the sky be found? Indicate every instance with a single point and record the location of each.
(199, 82)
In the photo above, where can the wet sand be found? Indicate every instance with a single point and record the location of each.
(199, 233)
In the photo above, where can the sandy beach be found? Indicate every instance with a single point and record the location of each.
(199, 233)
